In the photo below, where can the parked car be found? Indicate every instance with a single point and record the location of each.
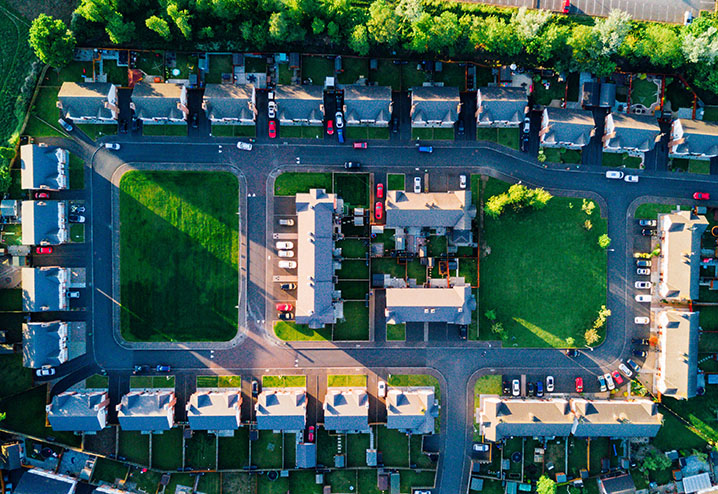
(524, 142)
(286, 222)
(340, 135)
(638, 353)
(310, 434)
(65, 125)
(515, 387)
(701, 196)
(284, 245)
(255, 387)
(381, 389)
(530, 391)
(394, 125)
(460, 128)
(549, 384)
(284, 307)
(380, 190)
(639, 341)
(631, 179)
(141, 369)
(647, 222)
(352, 165)
(340, 120)
(687, 17)
(641, 320)
(614, 174)
(642, 285)
(643, 298)
(74, 208)
(285, 316)
(163, 368)
(643, 263)
(505, 387)
(378, 210)
(579, 385)
(426, 149)
(609, 381)
(462, 331)
(360, 145)
(288, 264)
(45, 371)
(417, 185)
(73, 294)
(539, 389)
(272, 129)
(42, 195)
(244, 146)
(634, 366)
(112, 145)
(617, 378)
(643, 271)
(288, 286)
(45, 249)
(286, 253)
(527, 124)
(272, 109)
(602, 384)
(571, 352)
(330, 127)
(462, 181)
(195, 121)
(76, 218)
(628, 372)
(647, 232)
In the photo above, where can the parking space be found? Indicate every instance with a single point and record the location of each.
(563, 384)
(283, 249)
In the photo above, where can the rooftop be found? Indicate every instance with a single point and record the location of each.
(44, 289)
(678, 356)
(411, 410)
(281, 409)
(346, 410)
(43, 167)
(44, 222)
(430, 210)
(214, 410)
(452, 305)
(147, 410)
(79, 411)
(680, 258)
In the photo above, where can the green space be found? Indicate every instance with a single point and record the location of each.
(316, 68)
(355, 326)
(367, 482)
(152, 382)
(290, 450)
(395, 181)
(508, 136)
(285, 74)
(394, 447)
(11, 300)
(562, 155)
(234, 451)
(415, 380)
(354, 270)
(166, 448)
(710, 114)
(146, 480)
(186, 290)
(301, 131)
(644, 92)
(291, 331)
(353, 68)
(16, 378)
(151, 62)
(409, 480)
(219, 381)
(416, 456)
(438, 246)
(486, 385)
(564, 255)
(234, 130)
(201, 451)
(342, 480)
(353, 188)
(699, 166)
(291, 183)
(76, 172)
(356, 446)
(433, 133)
(11, 234)
(417, 271)
(77, 232)
(345, 381)
(353, 248)
(396, 332)
(139, 382)
(621, 160)
(218, 65)
(134, 446)
(95, 131)
(165, 130)
(255, 65)
(327, 446)
(108, 471)
(452, 75)
(44, 113)
(388, 265)
(678, 95)
(284, 381)
(544, 95)
(650, 211)
(180, 479)
(697, 414)
(97, 381)
(468, 268)
(487, 134)
(267, 449)
(411, 77)
(363, 132)
(387, 73)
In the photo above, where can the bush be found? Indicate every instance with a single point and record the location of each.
(604, 241)
(518, 197)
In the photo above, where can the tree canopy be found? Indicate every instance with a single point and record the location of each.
(53, 43)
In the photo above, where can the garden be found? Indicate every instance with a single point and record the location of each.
(291, 183)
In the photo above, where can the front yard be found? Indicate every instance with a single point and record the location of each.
(291, 183)
(433, 133)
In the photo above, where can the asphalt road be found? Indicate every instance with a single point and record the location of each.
(456, 363)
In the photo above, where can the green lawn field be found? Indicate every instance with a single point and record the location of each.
(179, 256)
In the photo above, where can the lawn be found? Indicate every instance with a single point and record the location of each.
(437, 246)
(234, 451)
(621, 160)
(411, 77)
(650, 211)
(564, 255)
(410, 480)
(678, 95)
(555, 91)
(96, 131)
(487, 134)
(77, 232)
(562, 155)
(76, 172)
(11, 300)
(388, 266)
(353, 248)
(146, 480)
(44, 114)
(108, 471)
(395, 181)
(452, 75)
(218, 65)
(219, 381)
(699, 412)
(97, 381)
(355, 327)
(284, 381)
(387, 73)
(317, 68)
(201, 451)
(396, 332)
(356, 380)
(267, 450)
(165, 448)
(139, 382)
(367, 482)
(16, 378)
(354, 270)
(356, 446)
(187, 290)
(433, 133)
(394, 446)
(291, 183)
(710, 114)
(644, 92)
(353, 188)
(342, 480)
(165, 130)
(508, 136)
(353, 69)
(486, 385)
(699, 166)
(416, 456)
(327, 446)
(234, 131)
(415, 380)
(134, 447)
(291, 331)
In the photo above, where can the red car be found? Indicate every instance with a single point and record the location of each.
(284, 307)
(42, 195)
(379, 211)
(272, 129)
(701, 196)
(359, 145)
(43, 250)
(310, 434)
(380, 190)
(618, 379)
(579, 385)
(566, 6)
(330, 127)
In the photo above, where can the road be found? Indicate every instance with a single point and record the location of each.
(457, 364)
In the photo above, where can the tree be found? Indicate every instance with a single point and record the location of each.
(334, 32)
(588, 207)
(604, 241)
(359, 40)
(498, 328)
(318, 26)
(588, 225)
(701, 47)
(6, 157)
(545, 485)
(120, 31)
(528, 23)
(551, 45)
(383, 23)
(181, 19)
(490, 315)
(591, 336)
(611, 31)
(654, 461)
(53, 43)
(159, 26)
(660, 44)
(570, 341)
(500, 38)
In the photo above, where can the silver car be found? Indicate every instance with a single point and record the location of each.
(417, 185)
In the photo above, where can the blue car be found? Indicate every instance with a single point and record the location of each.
(539, 389)
(426, 149)
(340, 135)
(163, 368)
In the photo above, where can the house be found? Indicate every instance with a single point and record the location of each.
(281, 409)
(633, 134)
(500, 418)
(367, 105)
(452, 305)
(44, 222)
(44, 167)
(45, 289)
(616, 484)
(89, 102)
(677, 365)
(162, 103)
(317, 302)
(433, 106)
(37, 480)
(79, 411)
(214, 410)
(300, 105)
(230, 104)
(693, 139)
(411, 410)
(679, 263)
(147, 410)
(346, 410)
(44, 343)
(501, 106)
(566, 128)
(616, 418)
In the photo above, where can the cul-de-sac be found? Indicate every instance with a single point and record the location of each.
(359, 247)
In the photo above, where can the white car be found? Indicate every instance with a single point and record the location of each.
(641, 320)
(270, 95)
(381, 389)
(65, 125)
(339, 120)
(631, 179)
(614, 174)
(244, 146)
(642, 285)
(687, 17)
(628, 372)
(284, 245)
(272, 109)
(45, 371)
(287, 264)
(549, 384)
(286, 222)
(644, 271)
(462, 181)
(417, 185)
(286, 253)
(643, 298)
(112, 145)
(515, 387)
(609, 381)
(73, 294)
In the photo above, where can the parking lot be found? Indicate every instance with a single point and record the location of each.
(284, 209)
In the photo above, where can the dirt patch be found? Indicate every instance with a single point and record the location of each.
(103, 442)
(60, 9)
(238, 483)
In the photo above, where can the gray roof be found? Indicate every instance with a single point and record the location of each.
(367, 105)
(85, 100)
(44, 343)
(157, 100)
(697, 483)
(38, 481)
(698, 138)
(346, 410)
(79, 411)
(430, 210)
(678, 356)
(229, 101)
(306, 455)
(616, 418)
(315, 267)
(10, 456)
(632, 132)
(43, 167)
(281, 409)
(500, 418)
(214, 410)
(567, 127)
(300, 104)
(453, 305)
(679, 266)
(506, 105)
(411, 410)
(622, 484)
(147, 410)
(431, 105)
(43, 222)
(44, 289)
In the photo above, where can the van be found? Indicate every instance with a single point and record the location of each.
(614, 174)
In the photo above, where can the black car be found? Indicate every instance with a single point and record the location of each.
(647, 232)
(394, 125)
(460, 129)
(634, 367)
(195, 121)
(285, 316)
(530, 389)
(462, 331)
(255, 387)
(352, 165)
(572, 352)
(639, 341)
(638, 353)
(135, 124)
(506, 388)
(288, 286)
(525, 142)
(141, 369)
